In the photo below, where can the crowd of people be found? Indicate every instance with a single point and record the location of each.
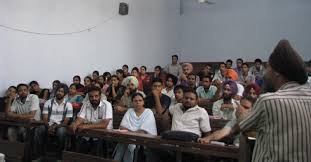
(274, 99)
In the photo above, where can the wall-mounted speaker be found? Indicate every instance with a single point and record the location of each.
(123, 8)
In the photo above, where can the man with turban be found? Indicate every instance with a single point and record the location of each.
(282, 116)
(131, 84)
(225, 107)
(187, 69)
(231, 74)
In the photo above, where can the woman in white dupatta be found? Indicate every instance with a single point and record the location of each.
(138, 119)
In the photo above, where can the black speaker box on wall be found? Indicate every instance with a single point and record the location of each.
(123, 8)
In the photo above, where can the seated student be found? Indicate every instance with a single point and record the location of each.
(207, 70)
(191, 81)
(77, 81)
(34, 88)
(103, 96)
(206, 91)
(137, 119)
(230, 74)
(188, 116)
(95, 76)
(238, 68)
(120, 74)
(229, 64)
(73, 97)
(107, 77)
(145, 79)
(44, 96)
(53, 89)
(224, 108)
(171, 81)
(258, 71)
(252, 90)
(179, 94)
(11, 92)
(242, 111)
(125, 69)
(157, 73)
(160, 103)
(220, 74)
(57, 113)
(115, 90)
(101, 79)
(94, 114)
(246, 77)
(183, 78)
(131, 84)
(135, 73)
(87, 83)
(25, 107)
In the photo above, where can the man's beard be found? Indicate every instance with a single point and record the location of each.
(94, 103)
(227, 99)
(59, 97)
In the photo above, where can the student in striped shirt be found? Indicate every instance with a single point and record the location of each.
(25, 107)
(282, 117)
(57, 113)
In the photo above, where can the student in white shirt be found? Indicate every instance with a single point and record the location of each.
(94, 114)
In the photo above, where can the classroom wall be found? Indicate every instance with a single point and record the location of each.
(146, 36)
(243, 28)
(151, 33)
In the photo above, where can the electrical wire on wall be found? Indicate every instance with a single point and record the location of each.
(65, 33)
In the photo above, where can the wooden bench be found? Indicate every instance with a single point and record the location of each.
(151, 141)
(13, 151)
(77, 157)
(16, 150)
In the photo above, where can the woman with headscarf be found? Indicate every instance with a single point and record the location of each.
(139, 120)
(225, 107)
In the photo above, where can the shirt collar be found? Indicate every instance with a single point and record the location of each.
(64, 100)
(289, 85)
(196, 107)
(100, 104)
(27, 98)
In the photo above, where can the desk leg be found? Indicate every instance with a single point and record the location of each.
(28, 149)
(178, 156)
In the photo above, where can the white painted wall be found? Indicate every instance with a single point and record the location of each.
(243, 28)
(151, 32)
(148, 34)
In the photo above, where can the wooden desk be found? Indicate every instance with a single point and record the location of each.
(78, 157)
(156, 142)
(17, 151)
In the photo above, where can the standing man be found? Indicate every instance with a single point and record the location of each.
(282, 116)
(174, 68)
